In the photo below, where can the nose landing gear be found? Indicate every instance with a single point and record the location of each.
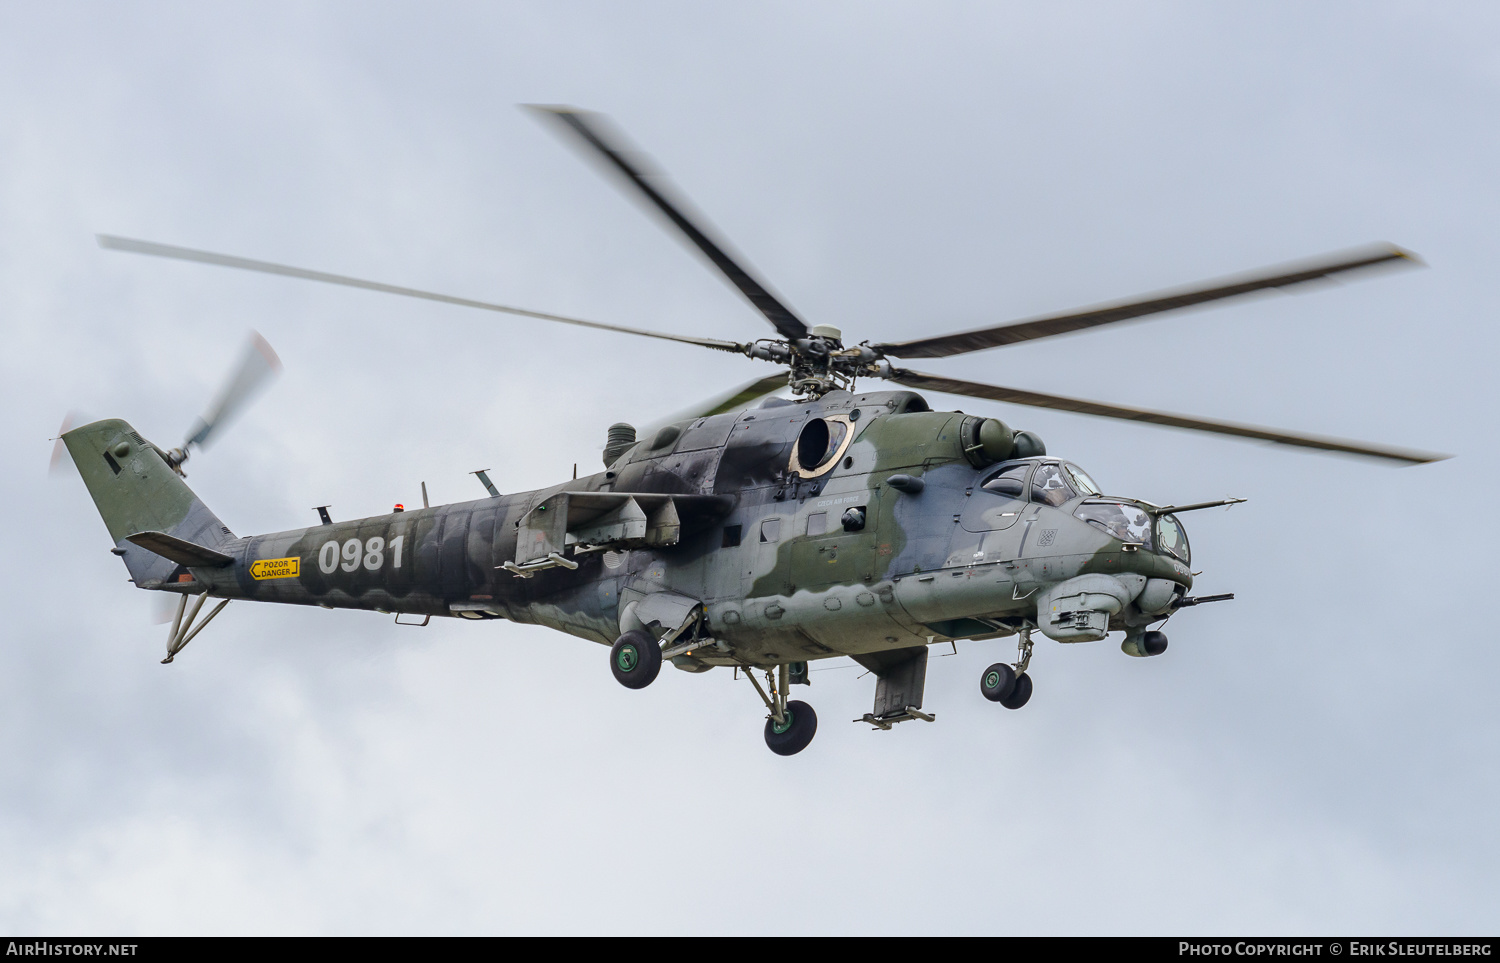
(1020, 695)
(1006, 684)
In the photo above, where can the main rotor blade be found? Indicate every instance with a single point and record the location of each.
(1283, 276)
(266, 267)
(737, 398)
(592, 130)
(741, 397)
(1018, 396)
(258, 365)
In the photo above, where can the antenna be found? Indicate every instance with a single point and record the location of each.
(489, 486)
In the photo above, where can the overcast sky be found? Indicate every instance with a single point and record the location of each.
(1317, 756)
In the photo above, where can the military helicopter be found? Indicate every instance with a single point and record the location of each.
(758, 537)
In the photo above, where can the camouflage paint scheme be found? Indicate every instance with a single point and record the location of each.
(952, 560)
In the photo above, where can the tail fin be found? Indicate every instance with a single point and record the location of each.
(136, 491)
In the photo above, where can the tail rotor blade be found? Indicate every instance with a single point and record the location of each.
(258, 365)
(60, 459)
(163, 607)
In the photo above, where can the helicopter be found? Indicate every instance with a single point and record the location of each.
(756, 532)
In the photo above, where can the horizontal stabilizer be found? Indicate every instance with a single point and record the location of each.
(179, 550)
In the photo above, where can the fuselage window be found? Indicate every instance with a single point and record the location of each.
(1011, 482)
(731, 535)
(770, 530)
(1049, 487)
(817, 523)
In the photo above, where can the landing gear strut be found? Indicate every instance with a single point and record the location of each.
(790, 726)
(1009, 685)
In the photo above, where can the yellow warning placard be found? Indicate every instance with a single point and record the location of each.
(275, 568)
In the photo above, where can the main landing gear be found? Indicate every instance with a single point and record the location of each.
(1006, 684)
(635, 659)
(790, 726)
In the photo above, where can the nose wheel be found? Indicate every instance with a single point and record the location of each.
(1007, 684)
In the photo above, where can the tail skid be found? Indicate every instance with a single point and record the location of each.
(183, 631)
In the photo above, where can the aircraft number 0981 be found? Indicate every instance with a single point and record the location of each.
(354, 553)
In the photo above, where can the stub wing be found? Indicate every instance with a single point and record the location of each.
(613, 520)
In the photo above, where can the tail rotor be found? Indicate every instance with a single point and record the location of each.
(257, 366)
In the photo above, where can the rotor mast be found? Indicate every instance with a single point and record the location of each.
(819, 363)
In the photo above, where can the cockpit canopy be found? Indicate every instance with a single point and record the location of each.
(1171, 538)
(1131, 523)
(1052, 482)
(1122, 520)
(1055, 483)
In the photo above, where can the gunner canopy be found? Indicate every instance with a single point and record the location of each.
(1131, 523)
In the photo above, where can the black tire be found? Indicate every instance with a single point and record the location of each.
(1020, 695)
(997, 682)
(801, 726)
(1153, 643)
(635, 659)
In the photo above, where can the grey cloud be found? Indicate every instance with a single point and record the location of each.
(1313, 757)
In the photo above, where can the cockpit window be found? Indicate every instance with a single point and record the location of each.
(1011, 482)
(1128, 523)
(1049, 486)
(1082, 481)
(1172, 539)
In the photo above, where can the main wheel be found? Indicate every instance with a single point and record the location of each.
(997, 682)
(635, 659)
(795, 732)
(1020, 695)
